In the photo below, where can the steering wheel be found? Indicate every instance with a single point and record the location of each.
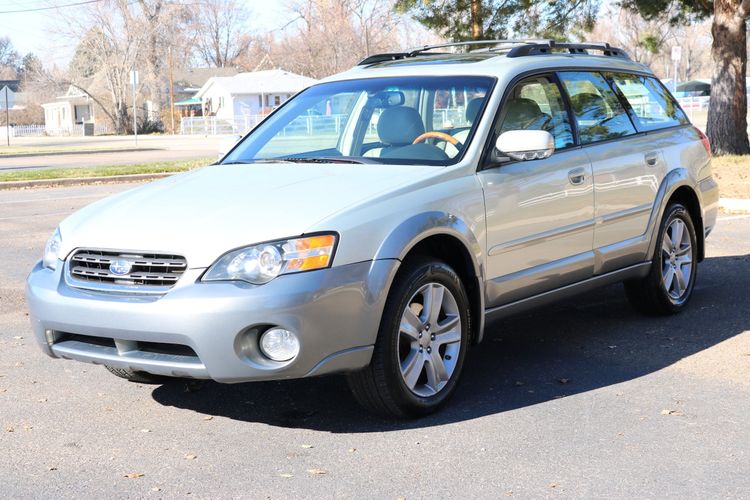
(439, 135)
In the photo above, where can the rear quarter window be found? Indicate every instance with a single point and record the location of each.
(653, 107)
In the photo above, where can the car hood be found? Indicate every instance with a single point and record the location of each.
(205, 213)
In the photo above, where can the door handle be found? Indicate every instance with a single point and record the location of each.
(651, 159)
(577, 176)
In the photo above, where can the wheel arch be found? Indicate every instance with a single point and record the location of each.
(678, 186)
(449, 238)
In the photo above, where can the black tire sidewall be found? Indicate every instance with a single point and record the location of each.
(417, 274)
(674, 211)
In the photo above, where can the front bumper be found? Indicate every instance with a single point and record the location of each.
(210, 330)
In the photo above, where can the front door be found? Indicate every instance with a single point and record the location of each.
(540, 213)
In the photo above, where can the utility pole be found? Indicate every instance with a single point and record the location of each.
(171, 91)
(134, 83)
(7, 117)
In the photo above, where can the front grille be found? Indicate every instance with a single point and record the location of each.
(146, 269)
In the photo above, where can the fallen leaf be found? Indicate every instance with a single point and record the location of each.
(42, 400)
(145, 430)
(208, 417)
(612, 346)
(564, 380)
(317, 472)
(18, 337)
(308, 446)
(51, 468)
(675, 413)
(155, 488)
(191, 456)
(286, 475)
(352, 450)
(134, 475)
(553, 485)
(9, 429)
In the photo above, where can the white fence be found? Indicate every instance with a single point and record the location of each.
(42, 131)
(212, 125)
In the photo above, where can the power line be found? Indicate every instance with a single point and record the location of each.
(49, 8)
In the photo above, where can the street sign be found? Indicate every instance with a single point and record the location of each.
(133, 78)
(676, 53)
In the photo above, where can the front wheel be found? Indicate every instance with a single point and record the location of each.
(421, 344)
(669, 284)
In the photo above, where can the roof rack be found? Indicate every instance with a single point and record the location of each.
(394, 56)
(549, 46)
(515, 48)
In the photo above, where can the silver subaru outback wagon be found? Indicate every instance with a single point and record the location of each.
(375, 223)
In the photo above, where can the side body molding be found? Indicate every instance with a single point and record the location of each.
(422, 226)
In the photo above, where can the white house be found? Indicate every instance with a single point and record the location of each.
(73, 108)
(250, 93)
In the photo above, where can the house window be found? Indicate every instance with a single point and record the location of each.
(276, 100)
(260, 101)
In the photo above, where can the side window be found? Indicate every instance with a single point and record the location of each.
(537, 104)
(598, 112)
(652, 105)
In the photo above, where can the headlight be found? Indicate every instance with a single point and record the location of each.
(260, 264)
(52, 250)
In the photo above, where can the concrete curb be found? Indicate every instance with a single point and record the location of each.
(735, 205)
(82, 181)
(84, 152)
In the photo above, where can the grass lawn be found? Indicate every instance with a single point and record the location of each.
(67, 173)
(733, 175)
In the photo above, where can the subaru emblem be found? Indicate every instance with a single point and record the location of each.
(120, 267)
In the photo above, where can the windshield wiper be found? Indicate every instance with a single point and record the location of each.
(322, 159)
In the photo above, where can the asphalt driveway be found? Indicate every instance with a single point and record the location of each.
(582, 399)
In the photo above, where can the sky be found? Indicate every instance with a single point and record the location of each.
(33, 31)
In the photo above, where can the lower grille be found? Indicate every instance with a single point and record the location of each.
(127, 269)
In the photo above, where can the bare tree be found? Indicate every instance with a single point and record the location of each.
(328, 36)
(221, 33)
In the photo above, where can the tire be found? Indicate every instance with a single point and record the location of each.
(136, 376)
(415, 365)
(669, 284)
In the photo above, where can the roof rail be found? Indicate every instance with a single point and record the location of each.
(393, 56)
(515, 48)
(549, 46)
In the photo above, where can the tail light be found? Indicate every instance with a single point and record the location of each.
(704, 140)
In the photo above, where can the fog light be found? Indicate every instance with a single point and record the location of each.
(279, 344)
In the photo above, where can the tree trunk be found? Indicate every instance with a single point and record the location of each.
(727, 113)
(476, 21)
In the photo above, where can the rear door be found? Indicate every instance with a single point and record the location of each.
(628, 160)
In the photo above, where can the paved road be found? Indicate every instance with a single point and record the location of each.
(514, 428)
(151, 149)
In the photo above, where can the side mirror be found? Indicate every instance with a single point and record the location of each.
(228, 143)
(526, 144)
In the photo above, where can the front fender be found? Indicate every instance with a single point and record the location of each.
(418, 228)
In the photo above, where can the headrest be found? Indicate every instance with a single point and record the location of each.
(521, 112)
(399, 126)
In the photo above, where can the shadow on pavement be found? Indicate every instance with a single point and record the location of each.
(588, 342)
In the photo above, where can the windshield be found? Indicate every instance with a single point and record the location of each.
(406, 120)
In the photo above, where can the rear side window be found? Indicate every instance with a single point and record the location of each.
(652, 105)
(597, 110)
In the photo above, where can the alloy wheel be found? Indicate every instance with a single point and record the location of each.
(677, 260)
(429, 340)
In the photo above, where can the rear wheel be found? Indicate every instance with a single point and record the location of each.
(137, 376)
(421, 343)
(669, 284)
